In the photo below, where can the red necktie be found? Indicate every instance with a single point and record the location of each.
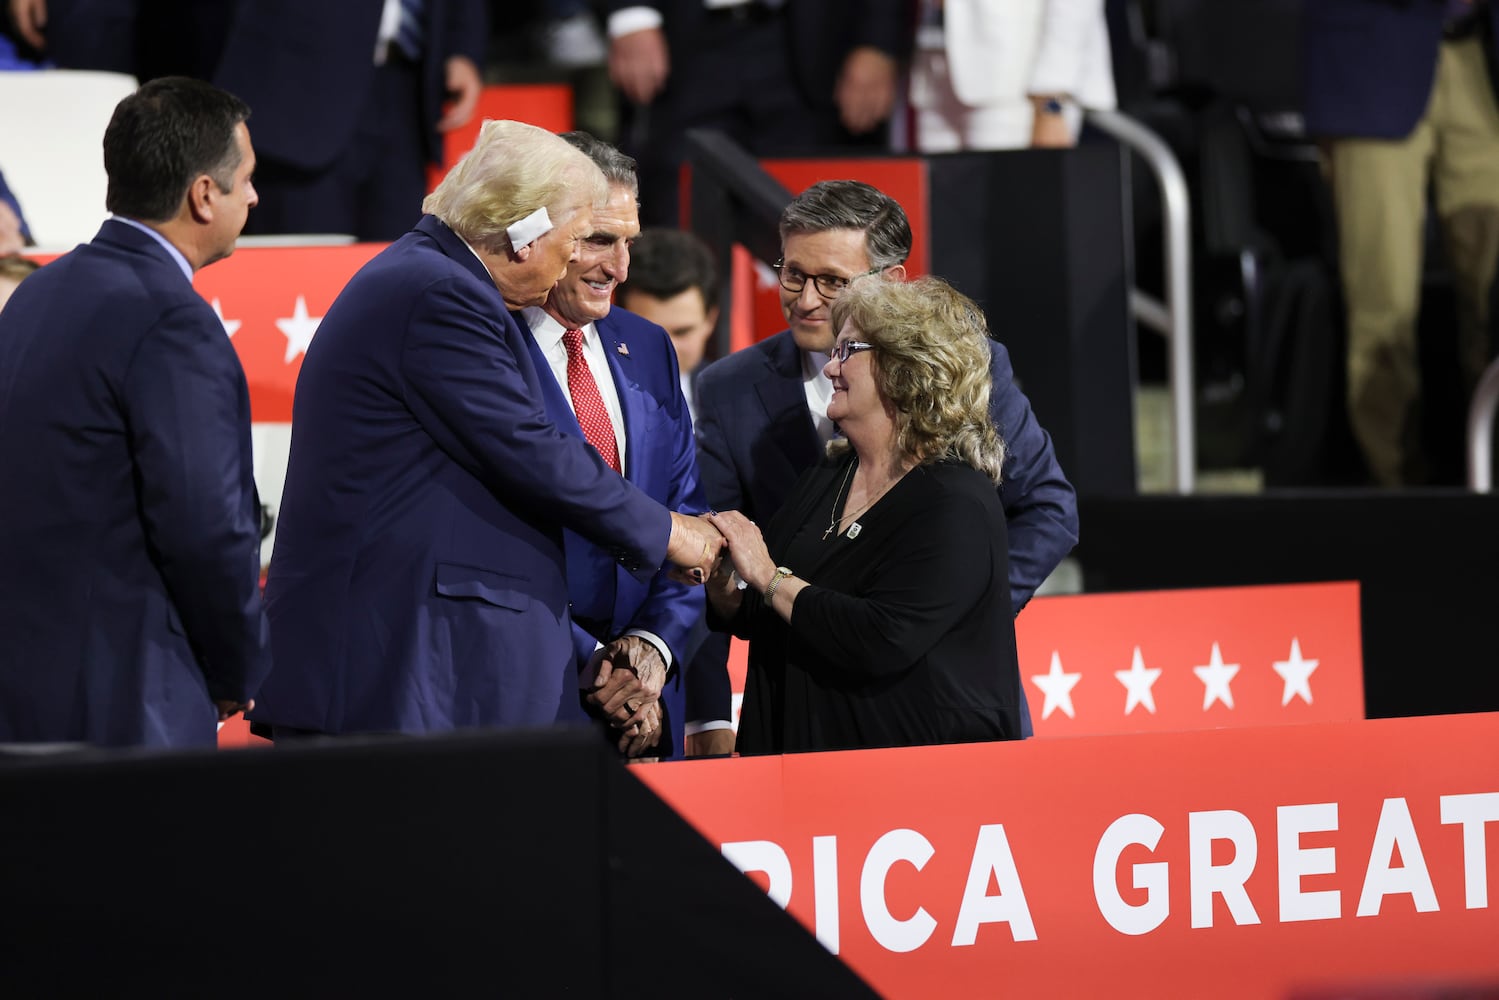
(587, 403)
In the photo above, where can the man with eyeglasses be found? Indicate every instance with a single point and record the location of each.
(763, 410)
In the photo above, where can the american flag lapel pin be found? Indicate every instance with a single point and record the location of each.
(623, 348)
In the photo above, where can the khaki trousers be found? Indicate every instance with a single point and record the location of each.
(1380, 194)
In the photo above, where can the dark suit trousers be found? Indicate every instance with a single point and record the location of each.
(373, 189)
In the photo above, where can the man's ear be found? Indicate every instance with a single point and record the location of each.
(200, 198)
(896, 273)
(522, 254)
(712, 319)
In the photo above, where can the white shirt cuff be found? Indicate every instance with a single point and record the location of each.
(693, 728)
(654, 640)
(628, 20)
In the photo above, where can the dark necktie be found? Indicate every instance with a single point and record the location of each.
(409, 34)
(593, 417)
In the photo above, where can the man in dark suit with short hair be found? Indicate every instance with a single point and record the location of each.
(419, 581)
(632, 637)
(763, 410)
(130, 540)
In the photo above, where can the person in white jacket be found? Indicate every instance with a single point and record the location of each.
(1007, 74)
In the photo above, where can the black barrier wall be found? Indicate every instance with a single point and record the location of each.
(1427, 563)
(512, 865)
(1037, 238)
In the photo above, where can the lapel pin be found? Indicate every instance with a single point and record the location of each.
(623, 348)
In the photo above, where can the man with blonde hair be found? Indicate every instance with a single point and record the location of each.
(418, 580)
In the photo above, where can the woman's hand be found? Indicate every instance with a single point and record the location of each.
(747, 549)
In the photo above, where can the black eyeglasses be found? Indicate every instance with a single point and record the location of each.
(848, 348)
(829, 286)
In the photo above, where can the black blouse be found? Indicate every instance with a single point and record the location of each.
(903, 636)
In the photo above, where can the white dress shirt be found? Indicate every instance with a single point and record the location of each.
(819, 390)
(548, 333)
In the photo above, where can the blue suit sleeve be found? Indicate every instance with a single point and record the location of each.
(671, 609)
(1040, 504)
(470, 383)
(189, 425)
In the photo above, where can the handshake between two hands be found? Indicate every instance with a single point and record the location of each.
(712, 545)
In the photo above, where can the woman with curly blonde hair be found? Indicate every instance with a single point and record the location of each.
(894, 627)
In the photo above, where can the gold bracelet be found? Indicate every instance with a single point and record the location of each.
(770, 591)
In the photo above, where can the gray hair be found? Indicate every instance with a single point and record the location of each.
(830, 205)
(618, 168)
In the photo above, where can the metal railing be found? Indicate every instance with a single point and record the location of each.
(1481, 414)
(1174, 316)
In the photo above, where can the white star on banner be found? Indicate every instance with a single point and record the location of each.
(298, 329)
(231, 326)
(1295, 671)
(1215, 678)
(1057, 686)
(1137, 680)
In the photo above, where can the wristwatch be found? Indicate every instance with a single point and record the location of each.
(775, 581)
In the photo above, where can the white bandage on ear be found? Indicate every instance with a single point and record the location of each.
(530, 229)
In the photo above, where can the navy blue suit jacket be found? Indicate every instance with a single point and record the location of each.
(418, 579)
(305, 109)
(756, 438)
(1368, 65)
(661, 460)
(129, 522)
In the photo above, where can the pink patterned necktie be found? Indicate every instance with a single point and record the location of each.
(598, 430)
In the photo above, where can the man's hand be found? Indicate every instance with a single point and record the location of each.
(627, 679)
(710, 743)
(639, 64)
(228, 709)
(694, 546)
(11, 240)
(866, 89)
(646, 734)
(1049, 130)
(30, 17)
(463, 85)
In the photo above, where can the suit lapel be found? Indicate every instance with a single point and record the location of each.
(785, 400)
(631, 397)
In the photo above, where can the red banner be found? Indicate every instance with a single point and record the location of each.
(1192, 659)
(271, 300)
(1182, 659)
(1264, 862)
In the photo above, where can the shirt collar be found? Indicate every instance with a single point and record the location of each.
(547, 331)
(176, 255)
(813, 363)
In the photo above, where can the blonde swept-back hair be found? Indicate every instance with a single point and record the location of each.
(513, 170)
(931, 364)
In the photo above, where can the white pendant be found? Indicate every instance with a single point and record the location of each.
(853, 530)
